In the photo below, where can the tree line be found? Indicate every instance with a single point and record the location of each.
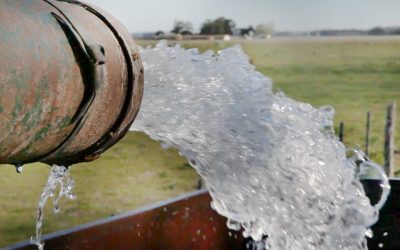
(226, 26)
(221, 26)
(376, 31)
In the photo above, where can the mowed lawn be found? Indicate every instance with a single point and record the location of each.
(352, 74)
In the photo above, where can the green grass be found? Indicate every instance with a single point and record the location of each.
(353, 75)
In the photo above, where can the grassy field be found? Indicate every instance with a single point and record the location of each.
(352, 74)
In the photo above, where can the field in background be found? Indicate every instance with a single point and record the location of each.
(353, 75)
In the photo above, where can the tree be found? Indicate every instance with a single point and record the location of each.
(265, 29)
(159, 33)
(219, 26)
(376, 31)
(396, 32)
(247, 31)
(181, 27)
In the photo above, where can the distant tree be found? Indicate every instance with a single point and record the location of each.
(247, 31)
(159, 33)
(219, 26)
(186, 32)
(376, 31)
(264, 29)
(207, 27)
(182, 27)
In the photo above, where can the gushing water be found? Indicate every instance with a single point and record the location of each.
(272, 165)
(59, 176)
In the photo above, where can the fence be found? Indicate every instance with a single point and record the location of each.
(389, 150)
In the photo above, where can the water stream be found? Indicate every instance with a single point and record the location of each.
(59, 178)
(271, 164)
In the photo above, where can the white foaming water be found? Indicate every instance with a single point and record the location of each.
(268, 162)
(59, 176)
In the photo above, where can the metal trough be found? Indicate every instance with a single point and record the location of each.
(188, 222)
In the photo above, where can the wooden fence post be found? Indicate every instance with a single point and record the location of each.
(367, 132)
(388, 150)
(341, 131)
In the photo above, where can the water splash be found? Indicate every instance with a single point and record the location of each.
(59, 177)
(270, 163)
(328, 113)
(367, 169)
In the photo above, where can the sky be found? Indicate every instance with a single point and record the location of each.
(286, 15)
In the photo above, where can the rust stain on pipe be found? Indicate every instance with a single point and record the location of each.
(71, 81)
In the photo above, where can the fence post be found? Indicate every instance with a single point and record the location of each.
(341, 131)
(367, 132)
(388, 150)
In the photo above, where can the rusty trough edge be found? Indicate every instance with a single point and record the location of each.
(176, 222)
(109, 219)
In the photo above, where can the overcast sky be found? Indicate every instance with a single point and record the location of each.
(294, 15)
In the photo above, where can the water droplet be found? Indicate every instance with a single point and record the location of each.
(213, 205)
(71, 196)
(233, 225)
(369, 233)
(56, 209)
(19, 168)
(380, 245)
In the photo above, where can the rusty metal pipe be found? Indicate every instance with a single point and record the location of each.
(71, 81)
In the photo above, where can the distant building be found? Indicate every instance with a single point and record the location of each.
(227, 37)
(179, 37)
